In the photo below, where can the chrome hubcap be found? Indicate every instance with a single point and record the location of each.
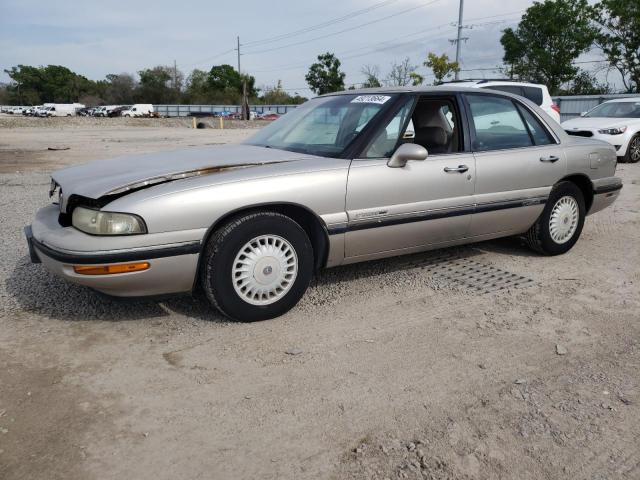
(563, 221)
(635, 149)
(264, 270)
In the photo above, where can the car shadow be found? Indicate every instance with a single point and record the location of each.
(512, 246)
(37, 291)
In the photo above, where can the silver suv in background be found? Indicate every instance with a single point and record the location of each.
(535, 92)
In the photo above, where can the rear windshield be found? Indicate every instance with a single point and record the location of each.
(531, 93)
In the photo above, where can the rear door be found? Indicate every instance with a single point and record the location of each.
(423, 203)
(518, 159)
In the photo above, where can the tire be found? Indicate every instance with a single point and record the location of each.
(257, 296)
(565, 200)
(633, 150)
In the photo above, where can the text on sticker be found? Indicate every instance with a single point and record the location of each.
(380, 99)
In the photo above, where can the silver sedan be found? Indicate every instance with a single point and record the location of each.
(344, 178)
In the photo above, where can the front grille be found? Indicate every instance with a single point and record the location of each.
(580, 133)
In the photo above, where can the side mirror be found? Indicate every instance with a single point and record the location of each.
(582, 114)
(406, 152)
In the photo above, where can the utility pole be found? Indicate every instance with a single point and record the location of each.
(175, 75)
(457, 40)
(238, 49)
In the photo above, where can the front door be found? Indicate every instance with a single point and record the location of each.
(423, 203)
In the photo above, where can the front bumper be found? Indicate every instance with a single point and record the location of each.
(173, 264)
(620, 142)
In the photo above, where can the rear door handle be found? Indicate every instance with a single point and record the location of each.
(549, 159)
(458, 169)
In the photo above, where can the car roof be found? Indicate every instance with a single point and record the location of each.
(494, 81)
(408, 89)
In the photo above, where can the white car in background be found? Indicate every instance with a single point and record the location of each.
(616, 122)
(536, 92)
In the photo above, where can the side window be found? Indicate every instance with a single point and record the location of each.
(384, 142)
(436, 126)
(534, 94)
(540, 134)
(497, 123)
(513, 89)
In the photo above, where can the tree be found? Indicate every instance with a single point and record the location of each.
(156, 85)
(4, 94)
(197, 89)
(224, 77)
(586, 83)
(119, 89)
(372, 76)
(278, 96)
(416, 79)
(325, 76)
(548, 39)
(441, 66)
(400, 74)
(226, 84)
(53, 83)
(619, 38)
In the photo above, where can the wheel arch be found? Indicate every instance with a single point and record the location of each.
(310, 222)
(585, 185)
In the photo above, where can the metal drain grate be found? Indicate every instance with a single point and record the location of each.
(459, 268)
(480, 277)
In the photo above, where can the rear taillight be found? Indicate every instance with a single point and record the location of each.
(555, 108)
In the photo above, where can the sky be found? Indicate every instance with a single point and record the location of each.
(278, 39)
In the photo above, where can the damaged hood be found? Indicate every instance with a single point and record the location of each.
(119, 175)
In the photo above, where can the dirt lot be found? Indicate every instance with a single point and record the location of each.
(403, 368)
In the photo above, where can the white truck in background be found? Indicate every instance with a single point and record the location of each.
(138, 110)
(60, 109)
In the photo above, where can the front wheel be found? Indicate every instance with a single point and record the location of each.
(633, 150)
(257, 266)
(560, 224)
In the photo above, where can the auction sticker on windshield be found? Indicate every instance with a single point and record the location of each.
(380, 99)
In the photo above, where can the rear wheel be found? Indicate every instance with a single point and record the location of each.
(633, 150)
(257, 266)
(560, 224)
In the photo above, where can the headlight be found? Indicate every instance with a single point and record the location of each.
(96, 222)
(613, 131)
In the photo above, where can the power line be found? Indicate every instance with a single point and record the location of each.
(211, 58)
(381, 45)
(318, 26)
(350, 29)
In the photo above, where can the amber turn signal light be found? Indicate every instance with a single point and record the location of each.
(110, 269)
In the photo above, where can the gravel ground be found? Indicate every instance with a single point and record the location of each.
(402, 368)
(66, 123)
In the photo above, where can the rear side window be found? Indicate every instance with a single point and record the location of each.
(498, 124)
(534, 94)
(540, 135)
(514, 89)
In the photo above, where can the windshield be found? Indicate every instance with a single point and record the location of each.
(616, 110)
(324, 126)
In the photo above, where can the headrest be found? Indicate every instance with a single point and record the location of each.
(432, 136)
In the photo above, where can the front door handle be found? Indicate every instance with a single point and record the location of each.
(458, 169)
(549, 159)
